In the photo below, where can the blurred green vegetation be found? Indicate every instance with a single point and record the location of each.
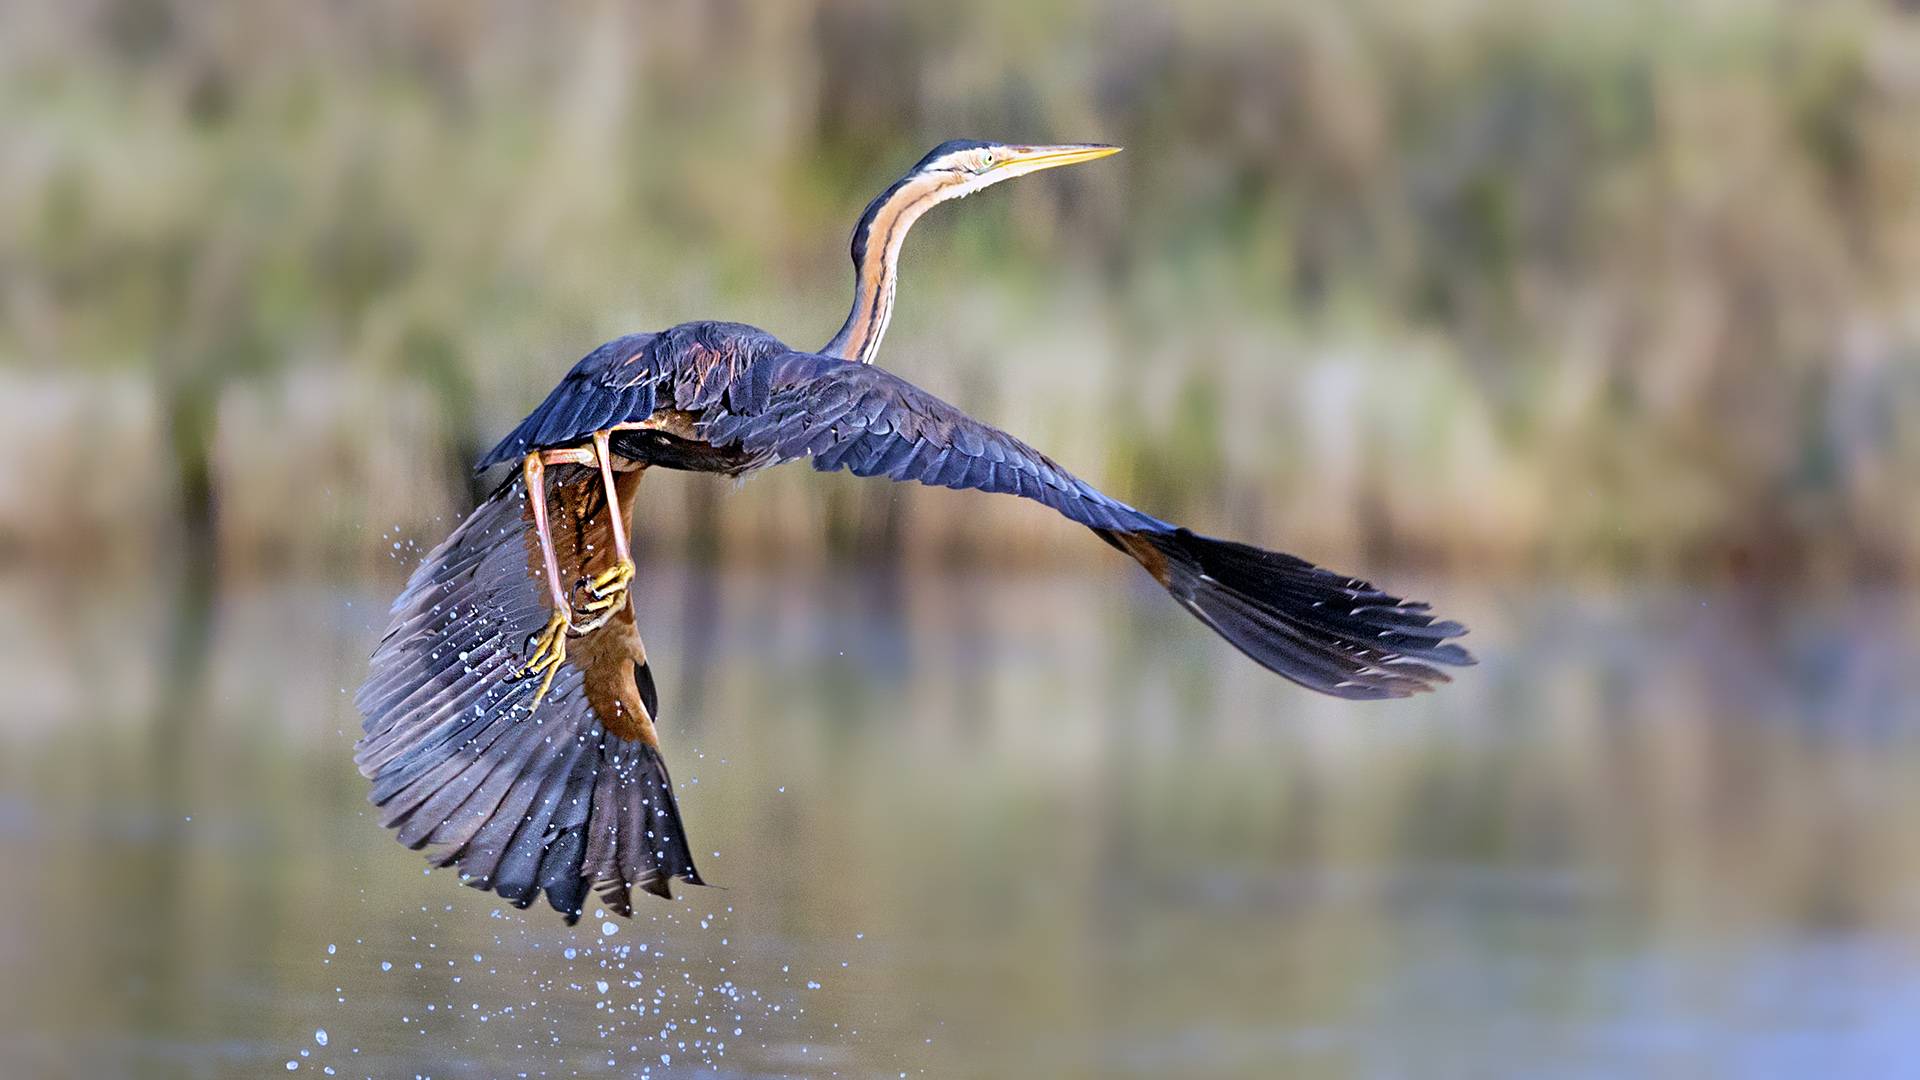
(1504, 284)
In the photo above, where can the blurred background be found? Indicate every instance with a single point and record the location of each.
(1597, 324)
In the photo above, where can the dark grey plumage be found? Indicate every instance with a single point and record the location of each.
(753, 402)
(527, 799)
(520, 801)
(548, 800)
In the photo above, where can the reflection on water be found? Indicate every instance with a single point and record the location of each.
(965, 826)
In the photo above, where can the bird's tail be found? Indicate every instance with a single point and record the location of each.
(635, 837)
(1325, 631)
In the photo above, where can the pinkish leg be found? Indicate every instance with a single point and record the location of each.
(550, 645)
(609, 589)
(601, 447)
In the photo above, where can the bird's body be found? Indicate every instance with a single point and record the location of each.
(510, 712)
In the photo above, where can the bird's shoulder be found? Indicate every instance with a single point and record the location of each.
(706, 369)
(665, 354)
(622, 362)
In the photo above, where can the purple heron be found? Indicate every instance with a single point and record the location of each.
(510, 711)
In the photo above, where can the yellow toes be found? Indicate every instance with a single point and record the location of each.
(606, 593)
(549, 652)
(612, 581)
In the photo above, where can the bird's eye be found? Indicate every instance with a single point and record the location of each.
(988, 161)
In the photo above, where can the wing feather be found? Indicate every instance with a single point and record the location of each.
(871, 422)
(458, 761)
(1334, 634)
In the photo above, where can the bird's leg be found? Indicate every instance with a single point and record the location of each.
(605, 591)
(608, 589)
(550, 644)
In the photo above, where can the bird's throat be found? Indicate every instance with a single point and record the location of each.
(876, 249)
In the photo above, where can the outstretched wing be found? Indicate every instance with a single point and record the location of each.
(521, 799)
(1326, 631)
(873, 423)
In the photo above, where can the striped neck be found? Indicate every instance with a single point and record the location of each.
(876, 258)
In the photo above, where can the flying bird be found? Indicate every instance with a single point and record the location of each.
(511, 714)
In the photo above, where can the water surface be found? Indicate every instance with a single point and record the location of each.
(966, 826)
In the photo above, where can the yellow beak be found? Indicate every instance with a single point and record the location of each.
(1021, 160)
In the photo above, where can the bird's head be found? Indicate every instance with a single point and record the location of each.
(952, 170)
(964, 166)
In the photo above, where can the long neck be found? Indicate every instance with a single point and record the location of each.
(876, 258)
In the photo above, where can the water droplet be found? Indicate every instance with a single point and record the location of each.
(608, 929)
(320, 1036)
(602, 985)
(386, 965)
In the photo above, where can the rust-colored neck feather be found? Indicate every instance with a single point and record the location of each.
(876, 257)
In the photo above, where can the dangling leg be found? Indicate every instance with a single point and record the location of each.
(550, 645)
(608, 590)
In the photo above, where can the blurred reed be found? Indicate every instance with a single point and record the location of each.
(1504, 284)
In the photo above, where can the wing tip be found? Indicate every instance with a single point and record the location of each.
(1327, 632)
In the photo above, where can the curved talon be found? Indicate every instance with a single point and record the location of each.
(549, 652)
(607, 592)
(594, 623)
(613, 581)
(607, 587)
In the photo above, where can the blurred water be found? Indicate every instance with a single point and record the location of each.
(995, 826)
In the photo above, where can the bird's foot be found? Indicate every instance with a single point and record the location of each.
(549, 652)
(605, 595)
